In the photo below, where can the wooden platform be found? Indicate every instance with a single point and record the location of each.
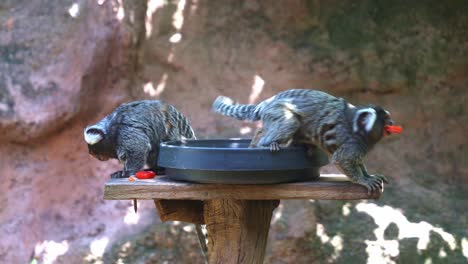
(237, 217)
(328, 187)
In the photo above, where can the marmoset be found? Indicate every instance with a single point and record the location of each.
(132, 134)
(347, 133)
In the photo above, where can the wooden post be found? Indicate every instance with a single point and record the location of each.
(237, 229)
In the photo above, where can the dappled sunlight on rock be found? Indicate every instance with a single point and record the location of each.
(171, 242)
(336, 241)
(346, 209)
(131, 218)
(245, 130)
(188, 228)
(161, 85)
(98, 246)
(149, 88)
(118, 9)
(48, 251)
(321, 233)
(175, 38)
(153, 5)
(464, 244)
(178, 17)
(382, 249)
(442, 253)
(74, 10)
(177, 23)
(447, 237)
(125, 249)
(277, 213)
(257, 88)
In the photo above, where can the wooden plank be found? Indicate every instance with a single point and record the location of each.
(328, 187)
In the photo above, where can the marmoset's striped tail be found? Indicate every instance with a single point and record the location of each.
(226, 106)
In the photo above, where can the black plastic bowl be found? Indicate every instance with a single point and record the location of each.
(231, 161)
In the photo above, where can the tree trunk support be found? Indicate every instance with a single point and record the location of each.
(237, 229)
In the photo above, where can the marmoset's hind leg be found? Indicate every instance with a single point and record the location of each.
(279, 126)
(256, 138)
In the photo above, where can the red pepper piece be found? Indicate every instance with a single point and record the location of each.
(145, 174)
(393, 129)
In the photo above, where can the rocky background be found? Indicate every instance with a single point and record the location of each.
(66, 64)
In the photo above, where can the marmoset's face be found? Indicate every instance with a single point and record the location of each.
(383, 119)
(100, 151)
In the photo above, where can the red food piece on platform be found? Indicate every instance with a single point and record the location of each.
(145, 174)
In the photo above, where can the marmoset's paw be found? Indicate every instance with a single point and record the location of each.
(117, 174)
(373, 184)
(274, 147)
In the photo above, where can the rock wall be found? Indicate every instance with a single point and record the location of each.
(61, 67)
(65, 65)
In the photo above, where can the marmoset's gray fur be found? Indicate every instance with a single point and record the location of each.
(132, 134)
(344, 131)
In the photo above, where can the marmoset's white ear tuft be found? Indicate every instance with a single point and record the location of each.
(93, 135)
(364, 119)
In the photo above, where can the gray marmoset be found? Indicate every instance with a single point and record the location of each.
(347, 133)
(132, 134)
